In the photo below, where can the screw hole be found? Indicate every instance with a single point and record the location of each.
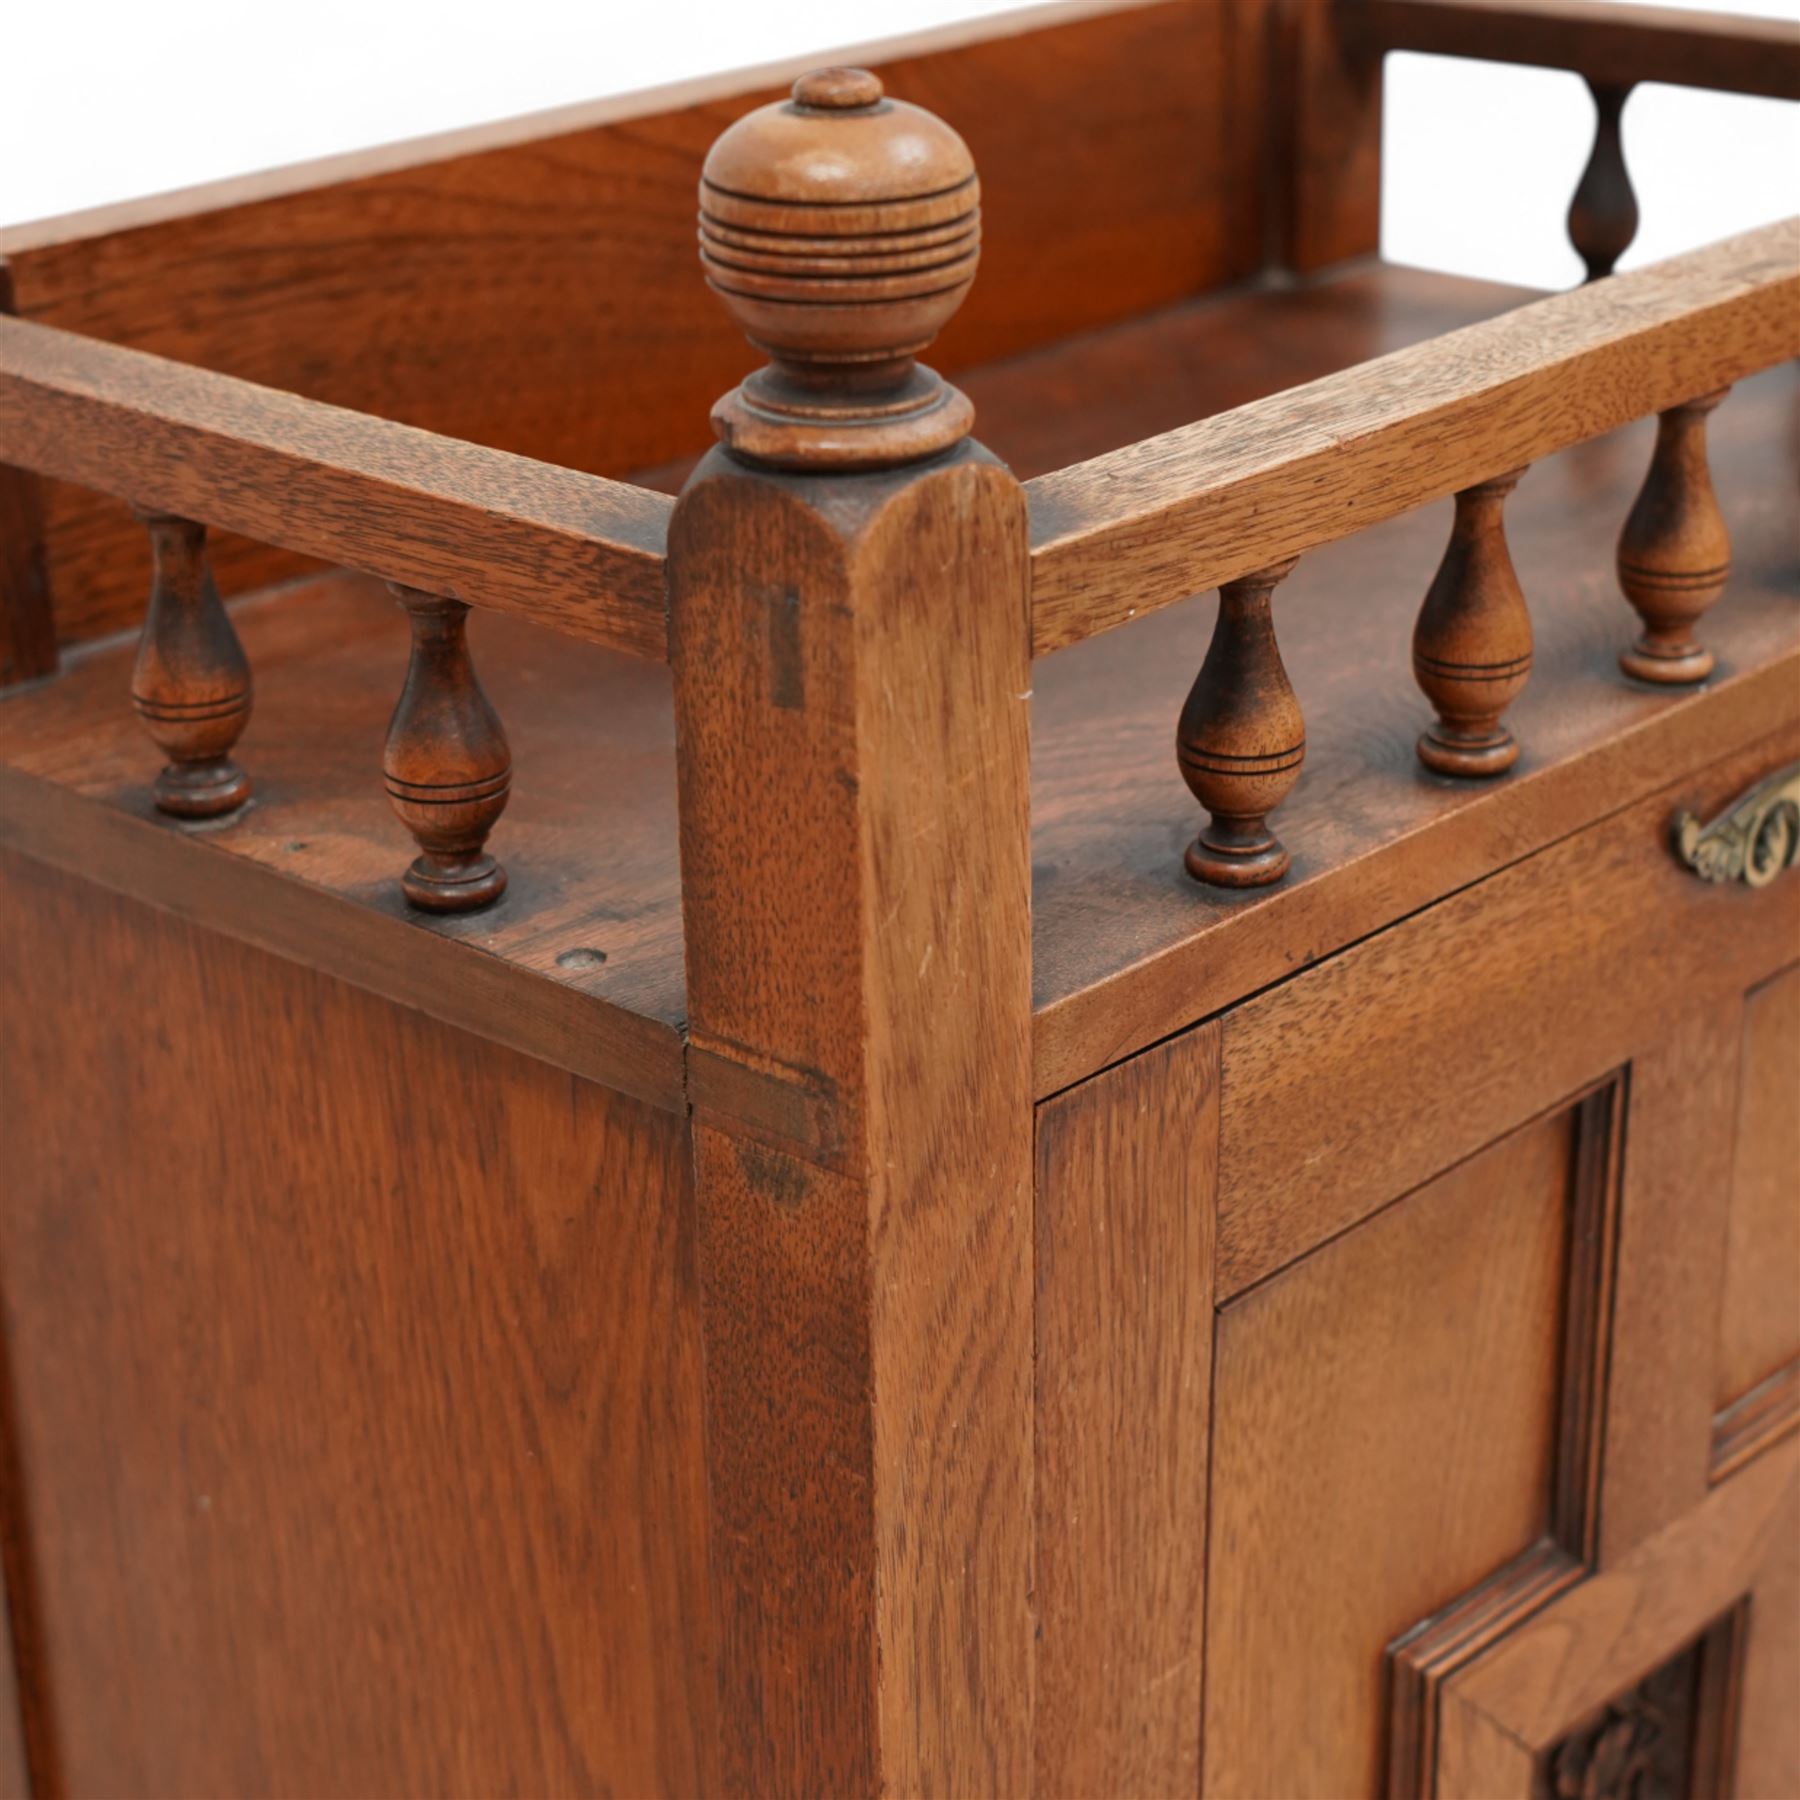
(581, 959)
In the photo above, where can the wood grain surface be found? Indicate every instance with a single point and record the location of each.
(1478, 1758)
(1325, 138)
(1140, 528)
(1759, 1307)
(851, 676)
(1126, 948)
(15, 1617)
(1396, 1085)
(1671, 1252)
(580, 964)
(1768, 1750)
(1421, 1661)
(1604, 40)
(1751, 1423)
(358, 1391)
(532, 287)
(1126, 1173)
(576, 551)
(1386, 1418)
(1601, 1637)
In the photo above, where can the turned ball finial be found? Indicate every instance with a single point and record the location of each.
(841, 229)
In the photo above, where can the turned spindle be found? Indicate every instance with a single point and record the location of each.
(447, 764)
(191, 681)
(1674, 553)
(1241, 739)
(1603, 215)
(841, 229)
(1472, 644)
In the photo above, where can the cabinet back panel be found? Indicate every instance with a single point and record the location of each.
(544, 296)
(356, 1380)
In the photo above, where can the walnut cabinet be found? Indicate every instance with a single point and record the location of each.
(1074, 1072)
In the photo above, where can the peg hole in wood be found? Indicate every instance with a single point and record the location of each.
(581, 958)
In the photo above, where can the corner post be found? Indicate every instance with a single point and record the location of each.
(850, 640)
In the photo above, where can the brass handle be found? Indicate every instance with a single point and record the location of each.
(1753, 840)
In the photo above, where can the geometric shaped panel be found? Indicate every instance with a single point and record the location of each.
(1647, 1678)
(1758, 1367)
(1389, 1429)
(1434, 1649)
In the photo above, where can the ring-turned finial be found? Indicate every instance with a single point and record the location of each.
(842, 230)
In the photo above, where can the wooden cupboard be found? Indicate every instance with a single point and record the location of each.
(833, 1232)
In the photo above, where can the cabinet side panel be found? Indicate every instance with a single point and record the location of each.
(1386, 1420)
(1125, 1174)
(357, 1378)
(1759, 1318)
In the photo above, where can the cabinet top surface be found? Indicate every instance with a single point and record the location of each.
(1125, 946)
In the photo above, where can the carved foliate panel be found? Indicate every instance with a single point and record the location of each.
(1667, 1738)
(1641, 1748)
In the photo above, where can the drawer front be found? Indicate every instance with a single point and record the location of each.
(1366, 1076)
(1491, 1208)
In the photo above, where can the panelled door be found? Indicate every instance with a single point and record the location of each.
(1493, 1407)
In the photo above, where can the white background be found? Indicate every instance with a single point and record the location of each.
(107, 100)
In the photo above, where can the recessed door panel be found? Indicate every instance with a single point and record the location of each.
(1397, 1416)
(1758, 1370)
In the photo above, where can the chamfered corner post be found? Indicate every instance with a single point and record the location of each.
(1472, 645)
(191, 681)
(1674, 551)
(447, 765)
(850, 642)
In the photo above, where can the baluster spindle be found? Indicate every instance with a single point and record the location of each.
(1241, 739)
(1674, 553)
(447, 764)
(1472, 644)
(191, 681)
(1603, 215)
